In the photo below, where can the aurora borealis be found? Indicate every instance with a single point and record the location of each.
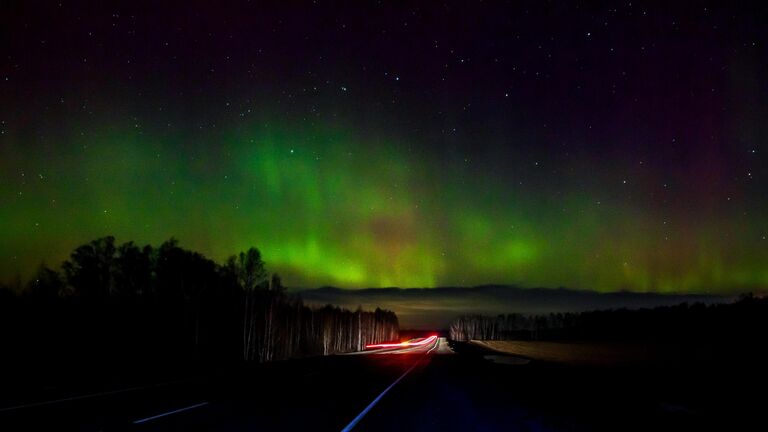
(603, 147)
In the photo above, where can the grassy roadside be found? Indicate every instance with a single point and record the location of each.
(587, 353)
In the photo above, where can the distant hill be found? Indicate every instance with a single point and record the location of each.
(431, 308)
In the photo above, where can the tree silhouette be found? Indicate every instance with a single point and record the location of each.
(89, 269)
(249, 269)
(46, 285)
(133, 270)
(126, 304)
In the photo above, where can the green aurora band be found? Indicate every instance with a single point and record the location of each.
(328, 206)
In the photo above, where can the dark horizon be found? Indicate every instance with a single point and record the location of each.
(425, 308)
(434, 308)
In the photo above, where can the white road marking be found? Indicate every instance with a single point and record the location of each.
(170, 412)
(370, 406)
(375, 401)
(87, 396)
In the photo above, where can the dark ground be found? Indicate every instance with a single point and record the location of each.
(464, 391)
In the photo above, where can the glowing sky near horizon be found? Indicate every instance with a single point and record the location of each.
(585, 149)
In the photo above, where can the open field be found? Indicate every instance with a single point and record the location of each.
(586, 353)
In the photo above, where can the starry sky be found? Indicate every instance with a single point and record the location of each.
(594, 145)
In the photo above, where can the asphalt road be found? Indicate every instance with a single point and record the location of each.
(432, 386)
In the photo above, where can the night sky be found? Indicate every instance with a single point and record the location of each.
(603, 146)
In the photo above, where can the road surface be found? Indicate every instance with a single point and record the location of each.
(430, 386)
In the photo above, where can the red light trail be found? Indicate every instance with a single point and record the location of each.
(411, 343)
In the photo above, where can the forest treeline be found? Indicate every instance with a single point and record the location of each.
(745, 319)
(145, 304)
